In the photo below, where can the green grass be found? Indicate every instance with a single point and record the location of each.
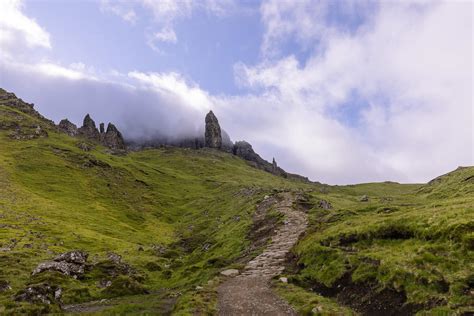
(190, 212)
(412, 238)
(195, 206)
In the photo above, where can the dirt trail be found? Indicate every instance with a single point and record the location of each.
(250, 293)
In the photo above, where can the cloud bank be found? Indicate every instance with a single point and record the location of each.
(384, 91)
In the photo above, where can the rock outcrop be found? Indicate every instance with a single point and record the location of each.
(67, 127)
(212, 135)
(70, 263)
(245, 151)
(89, 129)
(113, 138)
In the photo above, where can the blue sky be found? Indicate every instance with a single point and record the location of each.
(341, 91)
(206, 50)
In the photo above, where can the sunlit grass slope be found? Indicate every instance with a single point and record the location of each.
(178, 216)
(416, 239)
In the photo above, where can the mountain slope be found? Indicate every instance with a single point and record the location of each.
(189, 210)
(177, 217)
(408, 248)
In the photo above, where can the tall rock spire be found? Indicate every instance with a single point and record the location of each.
(113, 138)
(88, 129)
(213, 137)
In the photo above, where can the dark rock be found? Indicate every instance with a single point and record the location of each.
(212, 135)
(113, 138)
(4, 286)
(274, 166)
(245, 151)
(88, 129)
(83, 146)
(325, 205)
(115, 258)
(39, 293)
(101, 128)
(67, 127)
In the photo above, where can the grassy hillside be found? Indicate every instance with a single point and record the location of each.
(178, 217)
(407, 242)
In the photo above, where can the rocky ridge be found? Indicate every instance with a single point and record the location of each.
(213, 137)
(111, 138)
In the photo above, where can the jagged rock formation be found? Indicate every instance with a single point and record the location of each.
(89, 130)
(212, 136)
(67, 127)
(113, 138)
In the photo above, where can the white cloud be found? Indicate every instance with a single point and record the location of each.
(410, 63)
(123, 9)
(409, 67)
(16, 28)
(166, 35)
(164, 15)
(175, 86)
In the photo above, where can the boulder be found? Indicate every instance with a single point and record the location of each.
(88, 129)
(69, 269)
(71, 263)
(212, 135)
(113, 138)
(76, 256)
(39, 293)
(325, 205)
(67, 127)
(364, 198)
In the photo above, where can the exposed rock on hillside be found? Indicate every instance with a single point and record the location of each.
(89, 129)
(113, 138)
(70, 263)
(245, 151)
(11, 100)
(67, 127)
(213, 138)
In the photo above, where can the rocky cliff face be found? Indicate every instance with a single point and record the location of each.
(89, 130)
(67, 127)
(113, 138)
(245, 151)
(212, 136)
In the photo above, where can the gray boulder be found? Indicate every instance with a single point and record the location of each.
(69, 269)
(212, 135)
(40, 293)
(71, 263)
(76, 256)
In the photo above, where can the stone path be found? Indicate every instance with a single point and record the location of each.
(250, 292)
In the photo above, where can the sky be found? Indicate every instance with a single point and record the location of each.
(343, 91)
